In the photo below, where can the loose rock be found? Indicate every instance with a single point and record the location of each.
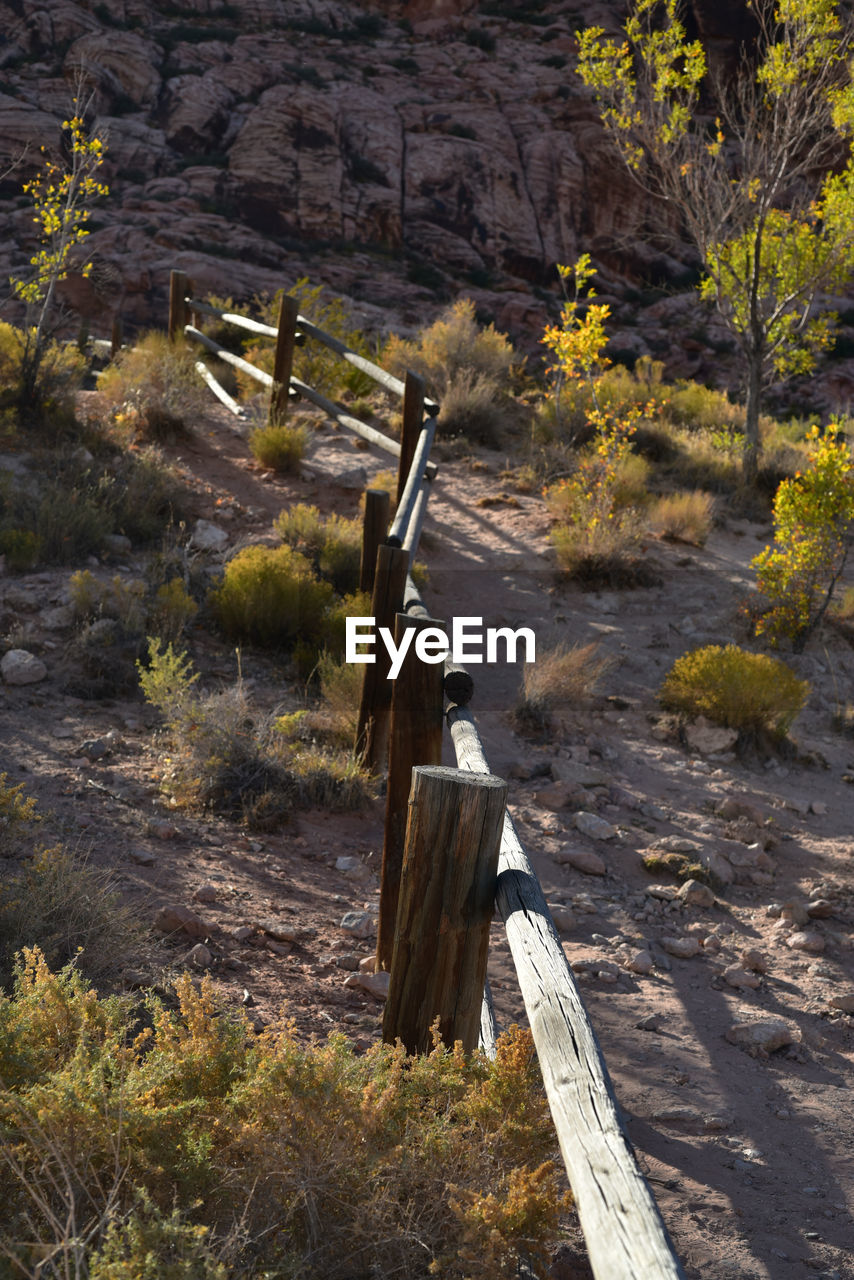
(590, 824)
(737, 977)
(374, 983)
(806, 940)
(696, 894)
(765, 1036)
(179, 919)
(361, 924)
(200, 956)
(583, 860)
(683, 948)
(19, 666)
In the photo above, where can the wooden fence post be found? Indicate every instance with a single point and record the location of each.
(375, 706)
(177, 305)
(413, 420)
(117, 336)
(415, 738)
(447, 894)
(283, 360)
(374, 529)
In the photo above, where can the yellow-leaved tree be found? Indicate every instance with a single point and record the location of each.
(756, 161)
(62, 192)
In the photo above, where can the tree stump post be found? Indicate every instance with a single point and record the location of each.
(177, 304)
(283, 359)
(447, 896)
(374, 529)
(375, 705)
(415, 738)
(413, 420)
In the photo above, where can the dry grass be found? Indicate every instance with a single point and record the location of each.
(279, 447)
(152, 391)
(561, 677)
(683, 517)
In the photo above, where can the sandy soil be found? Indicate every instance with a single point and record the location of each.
(750, 1157)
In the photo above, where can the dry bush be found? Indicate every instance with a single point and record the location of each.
(562, 677)
(53, 898)
(467, 368)
(752, 692)
(213, 1151)
(152, 391)
(226, 755)
(603, 553)
(279, 446)
(683, 517)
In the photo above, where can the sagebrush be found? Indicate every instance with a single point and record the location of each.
(210, 1152)
(752, 692)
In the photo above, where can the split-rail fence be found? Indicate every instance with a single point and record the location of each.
(452, 857)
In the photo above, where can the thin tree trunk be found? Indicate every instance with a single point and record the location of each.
(750, 460)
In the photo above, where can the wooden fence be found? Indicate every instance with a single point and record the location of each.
(451, 855)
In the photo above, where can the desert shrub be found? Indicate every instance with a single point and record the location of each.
(279, 446)
(271, 595)
(813, 519)
(683, 517)
(332, 543)
(58, 901)
(167, 609)
(227, 756)
(752, 692)
(179, 1124)
(598, 528)
(335, 717)
(152, 391)
(20, 548)
(143, 493)
(18, 815)
(562, 676)
(313, 363)
(467, 368)
(49, 406)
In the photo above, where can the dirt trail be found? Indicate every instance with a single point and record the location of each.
(751, 1157)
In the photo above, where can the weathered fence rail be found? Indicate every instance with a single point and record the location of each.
(431, 938)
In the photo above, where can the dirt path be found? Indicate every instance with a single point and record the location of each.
(751, 1157)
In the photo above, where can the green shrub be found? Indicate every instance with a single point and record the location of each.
(152, 391)
(279, 446)
(314, 363)
(752, 692)
(201, 1146)
(332, 543)
(813, 516)
(21, 549)
(270, 595)
(49, 408)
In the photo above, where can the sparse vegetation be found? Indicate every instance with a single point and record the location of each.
(756, 694)
(467, 368)
(201, 1140)
(151, 391)
(683, 517)
(332, 543)
(562, 677)
(227, 756)
(271, 596)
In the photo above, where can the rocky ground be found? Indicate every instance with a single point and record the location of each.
(726, 1017)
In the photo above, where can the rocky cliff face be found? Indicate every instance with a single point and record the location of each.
(403, 153)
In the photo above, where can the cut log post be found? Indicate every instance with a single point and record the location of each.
(375, 706)
(413, 420)
(374, 529)
(177, 304)
(283, 360)
(415, 738)
(447, 893)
